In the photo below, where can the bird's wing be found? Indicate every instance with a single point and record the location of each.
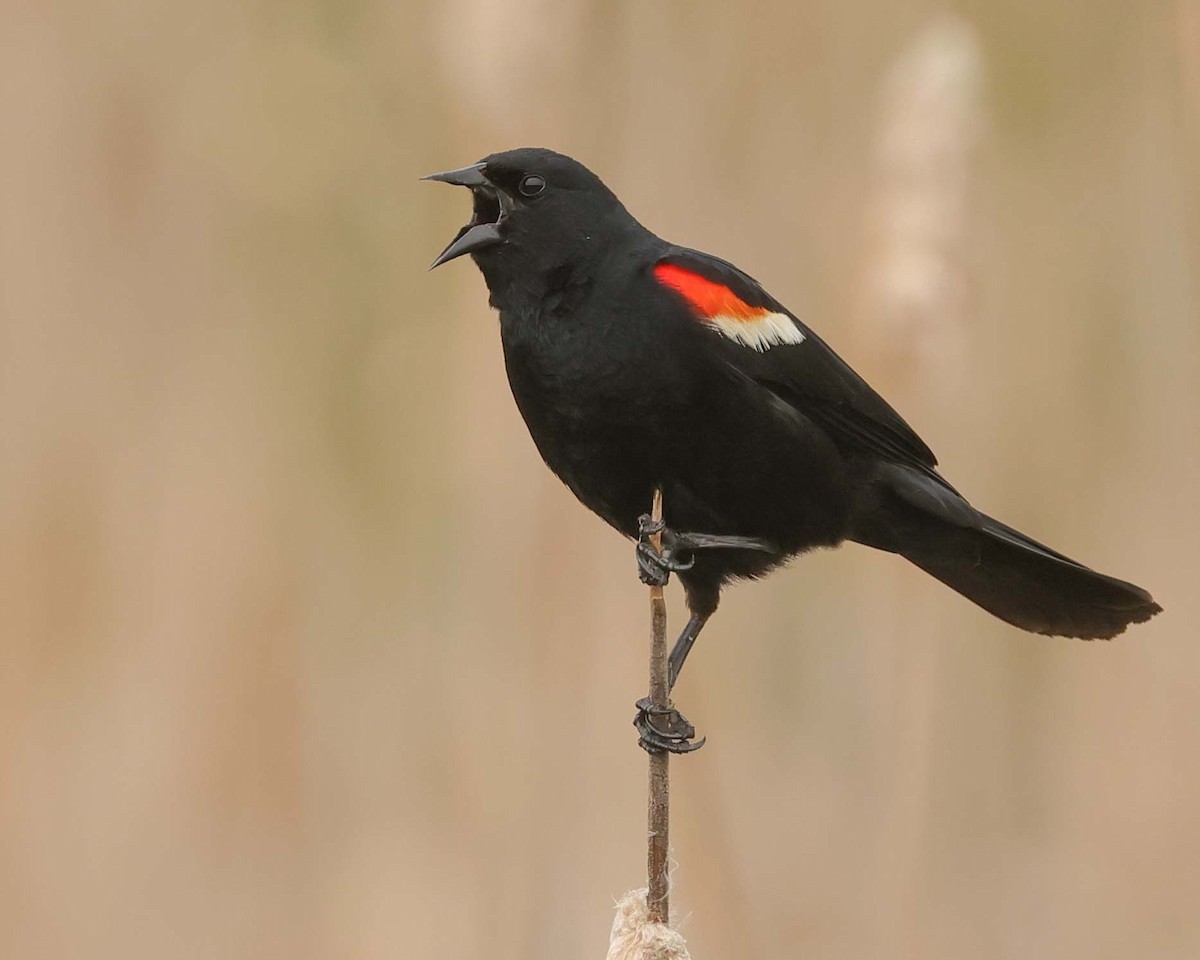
(760, 338)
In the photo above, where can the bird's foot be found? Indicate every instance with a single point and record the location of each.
(655, 566)
(664, 728)
(678, 549)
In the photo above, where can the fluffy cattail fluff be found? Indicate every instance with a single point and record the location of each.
(635, 937)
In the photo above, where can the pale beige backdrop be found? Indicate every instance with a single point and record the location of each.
(305, 655)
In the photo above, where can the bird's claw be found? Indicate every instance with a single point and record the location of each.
(664, 729)
(678, 549)
(648, 526)
(655, 566)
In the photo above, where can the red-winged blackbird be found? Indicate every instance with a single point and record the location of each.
(637, 363)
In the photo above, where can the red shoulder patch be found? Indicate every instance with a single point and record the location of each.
(709, 299)
(724, 311)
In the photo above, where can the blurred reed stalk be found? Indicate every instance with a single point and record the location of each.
(917, 284)
(915, 319)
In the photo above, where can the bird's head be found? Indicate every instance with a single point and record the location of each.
(534, 211)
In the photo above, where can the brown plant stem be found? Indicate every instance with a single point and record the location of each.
(659, 808)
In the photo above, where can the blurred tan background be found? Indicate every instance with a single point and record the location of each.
(306, 655)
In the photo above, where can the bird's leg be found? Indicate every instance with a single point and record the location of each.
(665, 728)
(683, 647)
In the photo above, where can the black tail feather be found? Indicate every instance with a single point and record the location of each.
(1010, 575)
(1031, 586)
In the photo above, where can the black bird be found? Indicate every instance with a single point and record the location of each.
(637, 363)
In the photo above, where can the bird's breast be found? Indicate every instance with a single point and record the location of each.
(591, 410)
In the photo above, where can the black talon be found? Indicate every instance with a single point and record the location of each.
(651, 568)
(656, 566)
(664, 729)
(647, 525)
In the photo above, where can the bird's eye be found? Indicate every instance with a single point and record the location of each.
(531, 185)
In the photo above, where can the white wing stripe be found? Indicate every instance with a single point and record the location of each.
(760, 334)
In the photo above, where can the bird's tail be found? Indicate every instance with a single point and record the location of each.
(1007, 573)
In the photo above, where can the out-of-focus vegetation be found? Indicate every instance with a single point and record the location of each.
(306, 655)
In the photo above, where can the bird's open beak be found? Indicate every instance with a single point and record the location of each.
(492, 206)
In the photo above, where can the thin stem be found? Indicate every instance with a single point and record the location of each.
(659, 810)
